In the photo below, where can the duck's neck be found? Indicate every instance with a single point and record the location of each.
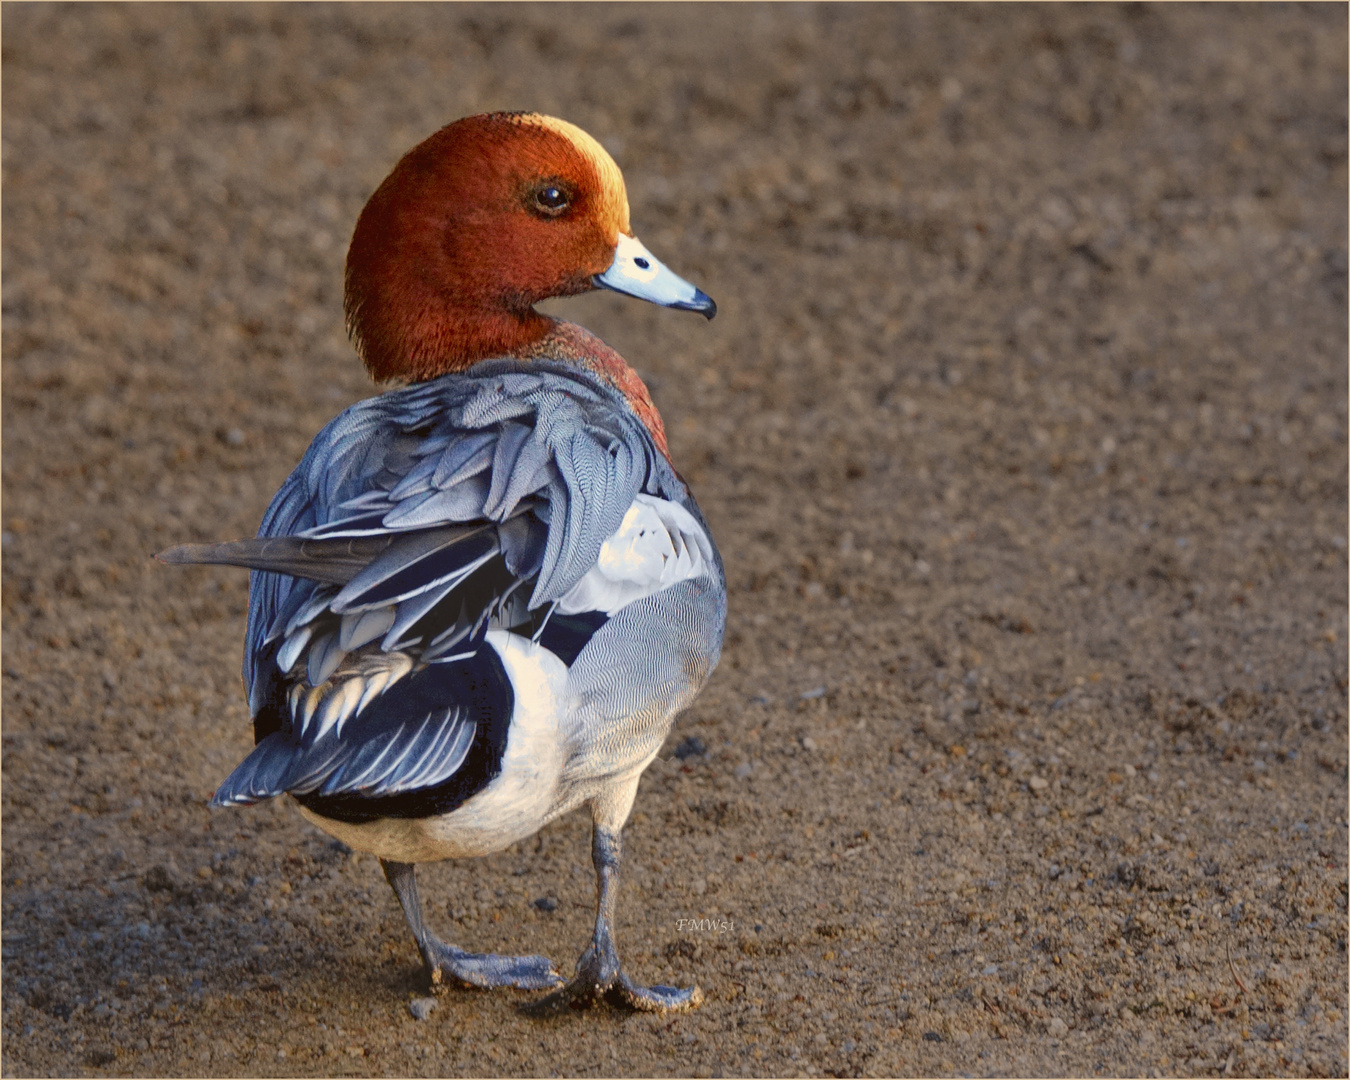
(438, 338)
(407, 328)
(572, 344)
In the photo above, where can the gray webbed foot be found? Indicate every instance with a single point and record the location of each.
(487, 970)
(622, 993)
(469, 969)
(600, 976)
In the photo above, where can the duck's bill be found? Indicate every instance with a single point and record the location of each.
(637, 272)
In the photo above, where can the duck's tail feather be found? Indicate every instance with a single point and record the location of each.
(334, 561)
(261, 775)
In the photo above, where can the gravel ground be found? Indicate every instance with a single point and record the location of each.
(1022, 430)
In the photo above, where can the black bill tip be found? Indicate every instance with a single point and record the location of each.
(702, 303)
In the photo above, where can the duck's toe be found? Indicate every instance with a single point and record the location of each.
(657, 999)
(487, 970)
(590, 987)
(575, 995)
(597, 971)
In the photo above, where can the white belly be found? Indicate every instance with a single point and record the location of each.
(525, 794)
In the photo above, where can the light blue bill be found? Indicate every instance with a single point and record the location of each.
(637, 272)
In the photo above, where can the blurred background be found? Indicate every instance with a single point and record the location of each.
(1022, 430)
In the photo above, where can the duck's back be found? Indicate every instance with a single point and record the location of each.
(426, 533)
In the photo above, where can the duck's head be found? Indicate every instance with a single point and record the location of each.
(476, 225)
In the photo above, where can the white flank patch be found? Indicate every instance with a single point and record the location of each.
(658, 544)
(518, 802)
(520, 799)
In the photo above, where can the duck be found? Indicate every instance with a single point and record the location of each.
(483, 596)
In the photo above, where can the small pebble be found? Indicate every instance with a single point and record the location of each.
(817, 692)
(546, 903)
(421, 1007)
(1038, 783)
(743, 770)
(1057, 1027)
(809, 743)
(693, 746)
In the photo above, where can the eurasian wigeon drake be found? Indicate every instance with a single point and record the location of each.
(481, 599)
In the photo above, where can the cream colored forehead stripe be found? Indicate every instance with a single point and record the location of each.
(611, 179)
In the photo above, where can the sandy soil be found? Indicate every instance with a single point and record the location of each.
(1022, 430)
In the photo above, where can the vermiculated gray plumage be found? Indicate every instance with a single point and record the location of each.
(421, 519)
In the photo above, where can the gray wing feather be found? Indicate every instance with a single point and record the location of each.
(550, 457)
(306, 776)
(439, 761)
(411, 610)
(494, 407)
(511, 441)
(418, 479)
(374, 768)
(362, 627)
(354, 773)
(290, 651)
(467, 457)
(306, 612)
(411, 756)
(407, 551)
(553, 546)
(463, 502)
(324, 656)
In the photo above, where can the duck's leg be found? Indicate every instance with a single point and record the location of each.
(599, 973)
(474, 969)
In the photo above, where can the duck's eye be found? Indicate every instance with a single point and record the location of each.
(551, 200)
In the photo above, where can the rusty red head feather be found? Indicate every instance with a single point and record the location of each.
(465, 236)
